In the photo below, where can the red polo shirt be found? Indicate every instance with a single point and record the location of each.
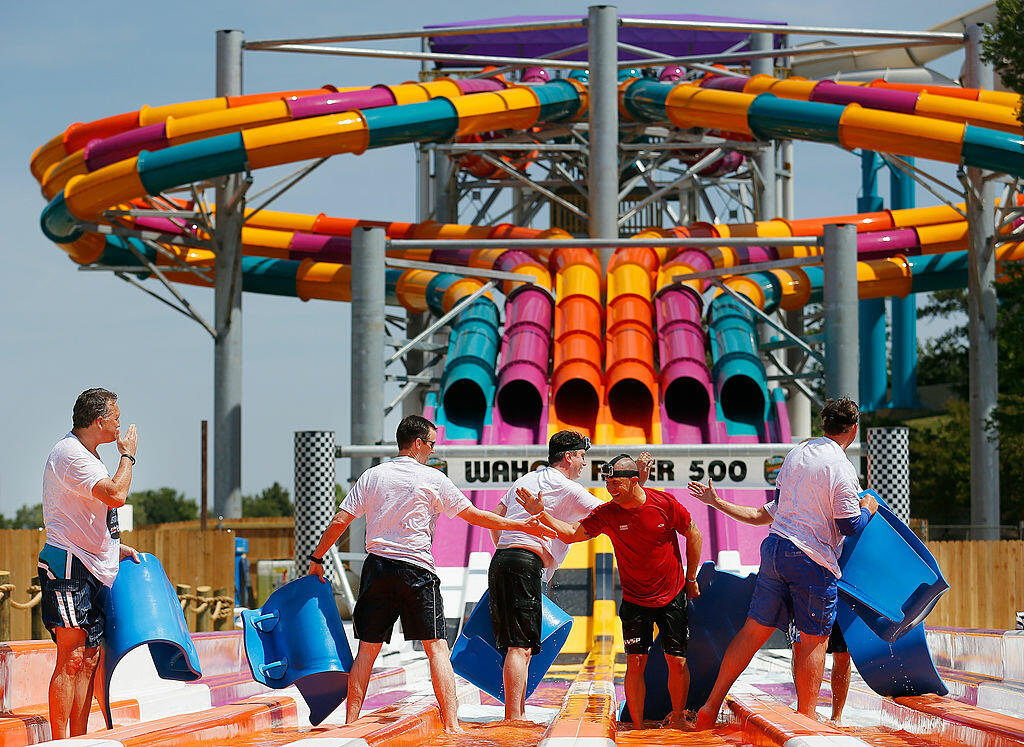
(646, 548)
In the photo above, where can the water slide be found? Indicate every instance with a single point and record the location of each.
(495, 387)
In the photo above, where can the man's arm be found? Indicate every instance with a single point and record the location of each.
(331, 535)
(756, 515)
(534, 504)
(490, 520)
(113, 491)
(501, 510)
(694, 542)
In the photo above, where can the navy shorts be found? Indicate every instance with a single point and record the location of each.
(515, 580)
(389, 589)
(638, 626)
(71, 596)
(791, 586)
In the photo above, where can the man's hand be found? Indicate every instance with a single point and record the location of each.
(316, 569)
(127, 443)
(703, 493)
(692, 589)
(129, 552)
(869, 502)
(644, 462)
(534, 504)
(534, 526)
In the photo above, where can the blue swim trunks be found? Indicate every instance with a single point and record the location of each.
(792, 586)
(72, 596)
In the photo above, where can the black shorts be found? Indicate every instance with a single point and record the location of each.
(514, 581)
(389, 589)
(836, 641)
(638, 626)
(71, 596)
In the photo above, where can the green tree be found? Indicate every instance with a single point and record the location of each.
(26, 517)
(161, 506)
(943, 360)
(1003, 45)
(940, 448)
(272, 501)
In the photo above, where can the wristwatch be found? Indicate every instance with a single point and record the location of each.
(315, 559)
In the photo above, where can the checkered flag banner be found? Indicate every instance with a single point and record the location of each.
(314, 494)
(889, 467)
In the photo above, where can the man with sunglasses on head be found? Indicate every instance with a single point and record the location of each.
(817, 502)
(401, 500)
(523, 564)
(643, 524)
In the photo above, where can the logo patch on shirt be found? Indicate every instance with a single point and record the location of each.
(623, 527)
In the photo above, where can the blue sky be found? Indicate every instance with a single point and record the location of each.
(64, 330)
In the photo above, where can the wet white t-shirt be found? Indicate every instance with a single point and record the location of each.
(74, 520)
(401, 501)
(817, 485)
(564, 499)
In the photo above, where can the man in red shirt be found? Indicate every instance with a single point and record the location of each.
(642, 524)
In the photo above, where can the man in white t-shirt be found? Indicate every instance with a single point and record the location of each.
(816, 504)
(523, 563)
(401, 500)
(79, 561)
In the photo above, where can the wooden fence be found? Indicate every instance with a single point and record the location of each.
(986, 582)
(189, 556)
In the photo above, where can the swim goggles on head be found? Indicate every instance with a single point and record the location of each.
(608, 470)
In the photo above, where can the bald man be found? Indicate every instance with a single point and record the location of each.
(642, 524)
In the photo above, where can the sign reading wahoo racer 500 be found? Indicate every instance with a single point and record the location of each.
(752, 473)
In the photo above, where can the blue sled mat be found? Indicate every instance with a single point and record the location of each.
(297, 637)
(143, 608)
(886, 549)
(475, 658)
(714, 618)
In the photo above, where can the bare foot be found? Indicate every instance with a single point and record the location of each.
(705, 720)
(456, 729)
(677, 722)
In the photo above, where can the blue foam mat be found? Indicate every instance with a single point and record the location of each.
(297, 637)
(886, 549)
(714, 618)
(475, 658)
(143, 608)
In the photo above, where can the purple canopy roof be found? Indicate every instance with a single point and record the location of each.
(538, 42)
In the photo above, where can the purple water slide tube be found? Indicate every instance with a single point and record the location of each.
(105, 151)
(520, 413)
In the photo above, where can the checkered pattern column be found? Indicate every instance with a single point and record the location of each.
(889, 467)
(314, 494)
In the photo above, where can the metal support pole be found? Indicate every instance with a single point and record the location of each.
(841, 317)
(873, 374)
(227, 355)
(903, 310)
(446, 201)
(367, 353)
(767, 207)
(766, 202)
(603, 156)
(981, 303)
